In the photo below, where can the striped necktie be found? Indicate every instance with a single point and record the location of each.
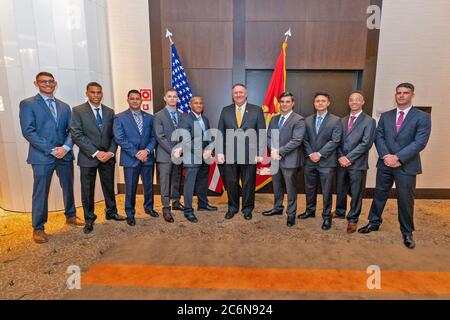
(138, 119)
(51, 105)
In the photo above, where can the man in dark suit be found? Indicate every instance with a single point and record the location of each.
(195, 151)
(322, 138)
(45, 123)
(166, 122)
(237, 121)
(358, 133)
(92, 132)
(133, 132)
(290, 130)
(401, 135)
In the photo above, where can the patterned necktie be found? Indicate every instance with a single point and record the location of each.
(51, 105)
(174, 118)
(239, 116)
(318, 123)
(98, 117)
(138, 119)
(400, 120)
(351, 123)
(281, 122)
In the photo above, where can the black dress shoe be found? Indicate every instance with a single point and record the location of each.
(248, 216)
(89, 226)
(191, 217)
(208, 208)
(152, 213)
(368, 228)
(178, 206)
(409, 242)
(168, 217)
(326, 225)
(290, 220)
(306, 215)
(272, 212)
(131, 221)
(229, 215)
(338, 215)
(116, 217)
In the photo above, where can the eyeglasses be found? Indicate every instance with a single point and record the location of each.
(46, 81)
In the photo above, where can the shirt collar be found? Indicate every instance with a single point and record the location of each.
(171, 109)
(405, 111)
(45, 98)
(286, 116)
(93, 107)
(242, 107)
(198, 116)
(356, 115)
(139, 112)
(323, 115)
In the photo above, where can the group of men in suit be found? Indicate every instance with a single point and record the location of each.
(330, 145)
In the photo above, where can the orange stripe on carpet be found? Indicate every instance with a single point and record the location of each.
(304, 280)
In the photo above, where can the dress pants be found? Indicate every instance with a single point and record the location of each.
(42, 175)
(170, 182)
(196, 180)
(88, 176)
(285, 180)
(406, 188)
(247, 173)
(131, 182)
(315, 175)
(350, 181)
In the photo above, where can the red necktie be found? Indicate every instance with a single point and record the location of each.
(400, 120)
(351, 123)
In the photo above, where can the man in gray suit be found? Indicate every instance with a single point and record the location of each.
(358, 134)
(195, 151)
(323, 135)
(165, 123)
(92, 132)
(241, 119)
(291, 130)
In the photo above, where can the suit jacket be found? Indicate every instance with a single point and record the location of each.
(291, 138)
(326, 141)
(89, 137)
(407, 143)
(253, 118)
(42, 131)
(163, 130)
(193, 145)
(127, 136)
(356, 144)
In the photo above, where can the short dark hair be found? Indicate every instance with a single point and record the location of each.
(287, 94)
(360, 92)
(238, 85)
(171, 90)
(133, 91)
(93, 84)
(322, 94)
(44, 74)
(405, 85)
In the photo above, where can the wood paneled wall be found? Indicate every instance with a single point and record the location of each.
(218, 40)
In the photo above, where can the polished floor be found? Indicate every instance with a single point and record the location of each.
(227, 259)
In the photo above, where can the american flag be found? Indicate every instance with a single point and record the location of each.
(181, 84)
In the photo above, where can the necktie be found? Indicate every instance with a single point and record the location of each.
(400, 120)
(281, 122)
(138, 119)
(318, 123)
(202, 124)
(351, 123)
(174, 118)
(51, 105)
(98, 117)
(239, 117)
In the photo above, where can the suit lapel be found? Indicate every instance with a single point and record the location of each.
(133, 122)
(286, 122)
(169, 118)
(324, 122)
(44, 106)
(91, 115)
(233, 116)
(357, 122)
(245, 116)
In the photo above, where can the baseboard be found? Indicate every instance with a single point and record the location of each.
(422, 193)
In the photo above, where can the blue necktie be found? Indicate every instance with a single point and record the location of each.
(138, 119)
(319, 122)
(174, 118)
(202, 124)
(51, 105)
(98, 118)
(281, 122)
